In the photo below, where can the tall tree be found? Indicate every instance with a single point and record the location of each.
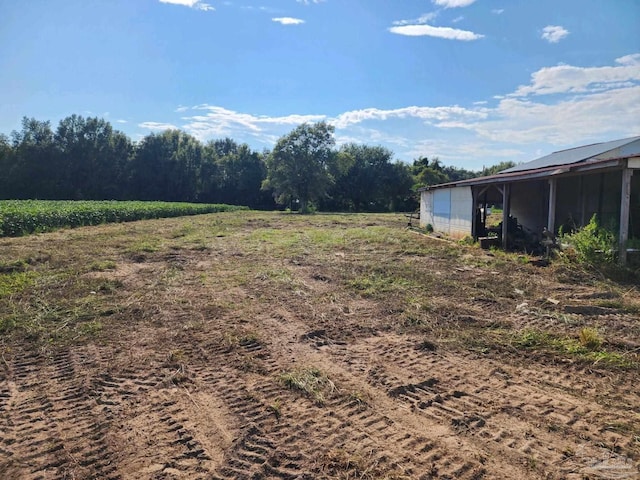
(368, 180)
(299, 167)
(93, 159)
(34, 169)
(166, 167)
(241, 173)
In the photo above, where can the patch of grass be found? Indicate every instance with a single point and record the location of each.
(144, 246)
(590, 338)
(15, 282)
(13, 266)
(102, 265)
(310, 381)
(343, 465)
(377, 283)
(587, 348)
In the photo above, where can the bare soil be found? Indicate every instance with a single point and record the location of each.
(161, 349)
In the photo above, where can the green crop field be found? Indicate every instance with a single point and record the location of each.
(22, 217)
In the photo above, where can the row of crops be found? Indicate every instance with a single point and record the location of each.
(22, 217)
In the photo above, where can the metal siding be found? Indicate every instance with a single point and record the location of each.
(442, 210)
(461, 212)
(426, 209)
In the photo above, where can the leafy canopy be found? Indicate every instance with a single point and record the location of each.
(299, 167)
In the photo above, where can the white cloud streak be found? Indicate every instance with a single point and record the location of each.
(554, 33)
(157, 126)
(354, 117)
(421, 20)
(196, 4)
(288, 20)
(439, 32)
(220, 122)
(453, 3)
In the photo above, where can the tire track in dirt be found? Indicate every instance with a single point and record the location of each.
(47, 425)
(508, 417)
(345, 422)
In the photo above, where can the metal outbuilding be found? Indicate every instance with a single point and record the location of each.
(564, 188)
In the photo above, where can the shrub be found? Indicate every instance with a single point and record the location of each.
(593, 244)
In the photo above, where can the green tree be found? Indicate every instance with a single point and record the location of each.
(6, 163)
(93, 159)
(368, 180)
(166, 166)
(34, 169)
(497, 168)
(299, 167)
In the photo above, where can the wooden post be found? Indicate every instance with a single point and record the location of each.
(505, 213)
(551, 221)
(624, 215)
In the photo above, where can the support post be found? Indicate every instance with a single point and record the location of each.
(551, 221)
(505, 213)
(624, 215)
(474, 217)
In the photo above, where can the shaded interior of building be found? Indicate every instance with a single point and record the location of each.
(576, 198)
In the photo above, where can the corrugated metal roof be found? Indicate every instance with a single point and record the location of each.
(580, 154)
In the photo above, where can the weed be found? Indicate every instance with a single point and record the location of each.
(359, 399)
(276, 408)
(593, 244)
(310, 381)
(175, 358)
(590, 338)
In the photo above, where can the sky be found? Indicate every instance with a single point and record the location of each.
(472, 82)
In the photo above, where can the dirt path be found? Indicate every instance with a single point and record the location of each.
(186, 381)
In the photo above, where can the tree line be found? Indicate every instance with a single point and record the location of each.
(87, 159)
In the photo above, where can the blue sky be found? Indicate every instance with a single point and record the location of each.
(473, 82)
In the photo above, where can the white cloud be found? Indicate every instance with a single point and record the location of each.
(565, 122)
(572, 105)
(197, 4)
(220, 122)
(421, 20)
(309, 2)
(354, 117)
(157, 126)
(571, 79)
(439, 32)
(288, 20)
(497, 11)
(453, 3)
(562, 106)
(554, 33)
(121, 121)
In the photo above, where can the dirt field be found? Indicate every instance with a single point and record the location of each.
(275, 346)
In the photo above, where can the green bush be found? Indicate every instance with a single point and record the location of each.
(593, 244)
